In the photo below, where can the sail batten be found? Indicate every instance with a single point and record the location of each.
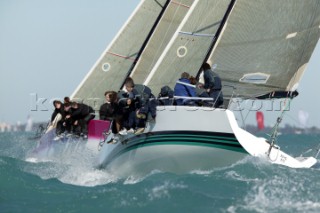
(123, 56)
(180, 4)
(197, 34)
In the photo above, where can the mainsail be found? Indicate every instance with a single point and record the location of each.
(190, 44)
(115, 63)
(266, 45)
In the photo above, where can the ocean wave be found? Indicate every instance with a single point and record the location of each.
(233, 175)
(89, 178)
(163, 190)
(134, 179)
(202, 172)
(280, 193)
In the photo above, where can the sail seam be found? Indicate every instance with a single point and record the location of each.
(122, 56)
(264, 85)
(280, 37)
(197, 34)
(180, 4)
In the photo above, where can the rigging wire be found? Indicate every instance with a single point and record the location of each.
(274, 131)
(315, 149)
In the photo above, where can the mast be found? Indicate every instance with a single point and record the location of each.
(147, 39)
(215, 38)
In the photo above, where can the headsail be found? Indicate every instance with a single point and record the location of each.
(190, 43)
(266, 45)
(170, 21)
(113, 66)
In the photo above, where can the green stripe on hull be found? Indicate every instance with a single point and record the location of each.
(219, 142)
(223, 141)
(141, 145)
(184, 139)
(195, 136)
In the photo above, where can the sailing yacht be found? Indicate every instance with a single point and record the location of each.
(260, 50)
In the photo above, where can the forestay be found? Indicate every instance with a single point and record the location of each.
(190, 44)
(115, 63)
(170, 21)
(266, 45)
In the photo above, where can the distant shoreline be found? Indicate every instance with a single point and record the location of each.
(287, 129)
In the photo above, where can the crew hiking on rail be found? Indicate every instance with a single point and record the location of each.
(129, 110)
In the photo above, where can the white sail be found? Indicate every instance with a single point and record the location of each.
(266, 45)
(29, 124)
(166, 28)
(115, 63)
(303, 118)
(190, 44)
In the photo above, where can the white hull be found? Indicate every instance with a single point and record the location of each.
(178, 159)
(184, 139)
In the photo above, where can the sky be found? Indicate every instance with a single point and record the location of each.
(47, 47)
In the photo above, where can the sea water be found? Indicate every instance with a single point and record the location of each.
(70, 183)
